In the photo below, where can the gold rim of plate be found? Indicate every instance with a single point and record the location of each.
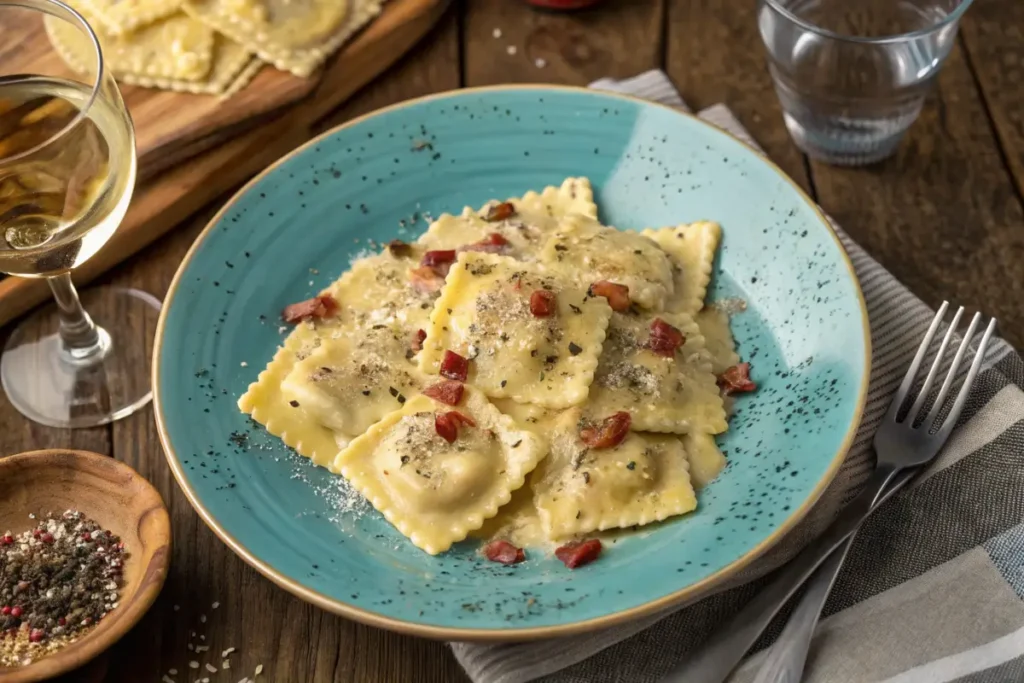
(678, 597)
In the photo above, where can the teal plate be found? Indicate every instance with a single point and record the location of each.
(295, 228)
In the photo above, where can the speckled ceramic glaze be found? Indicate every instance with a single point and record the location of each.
(294, 229)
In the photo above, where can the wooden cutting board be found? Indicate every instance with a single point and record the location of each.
(192, 148)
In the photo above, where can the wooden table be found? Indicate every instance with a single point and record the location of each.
(944, 215)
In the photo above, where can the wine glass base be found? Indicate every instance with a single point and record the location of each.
(50, 387)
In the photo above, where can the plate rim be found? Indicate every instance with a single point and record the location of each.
(684, 595)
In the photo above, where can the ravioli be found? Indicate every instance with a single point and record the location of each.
(501, 302)
(376, 291)
(484, 314)
(676, 394)
(536, 215)
(718, 341)
(591, 252)
(355, 378)
(578, 489)
(705, 457)
(293, 35)
(691, 249)
(122, 16)
(436, 492)
(175, 47)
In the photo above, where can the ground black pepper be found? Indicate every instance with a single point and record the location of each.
(56, 581)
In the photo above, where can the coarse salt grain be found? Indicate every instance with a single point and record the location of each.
(259, 669)
(173, 672)
(211, 668)
(202, 618)
(176, 608)
(244, 364)
(226, 664)
(540, 62)
(168, 679)
(191, 647)
(496, 33)
(202, 648)
(193, 664)
(227, 652)
(511, 49)
(215, 605)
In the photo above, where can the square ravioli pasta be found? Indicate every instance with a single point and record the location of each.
(435, 484)
(355, 378)
(577, 489)
(528, 334)
(522, 224)
(691, 249)
(591, 252)
(376, 291)
(655, 367)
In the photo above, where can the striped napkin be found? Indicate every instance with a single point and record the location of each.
(932, 589)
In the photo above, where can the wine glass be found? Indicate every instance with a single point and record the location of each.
(67, 170)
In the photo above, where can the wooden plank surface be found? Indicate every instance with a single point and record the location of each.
(993, 35)
(944, 215)
(503, 41)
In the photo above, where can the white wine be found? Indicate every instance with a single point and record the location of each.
(65, 179)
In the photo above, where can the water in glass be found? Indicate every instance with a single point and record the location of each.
(852, 76)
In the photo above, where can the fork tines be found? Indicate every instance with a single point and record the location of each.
(937, 421)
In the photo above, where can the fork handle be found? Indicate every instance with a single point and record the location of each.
(785, 660)
(729, 643)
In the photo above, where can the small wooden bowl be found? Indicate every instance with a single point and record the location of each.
(118, 499)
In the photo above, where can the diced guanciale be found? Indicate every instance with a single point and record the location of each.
(503, 552)
(418, 337)
(454, 366)
(440, 261)
(495, 243)
(542, 303)
(609, 432)
(665, 338)
(616, 294)
(425, 280)
(447, 424)
(318, 307)
(449, 392)
(500, 212)
(736, 380)
(399, 249)
(579, 553)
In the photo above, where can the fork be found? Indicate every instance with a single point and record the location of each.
(900, 443)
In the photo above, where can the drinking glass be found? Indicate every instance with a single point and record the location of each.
(67, 169)
(851, 75)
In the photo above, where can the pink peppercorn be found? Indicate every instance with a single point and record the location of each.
(5, 610)
(86, 536)
(7, 539)
(35, 635)
(16, 611)
(47, 537)
(62, 621)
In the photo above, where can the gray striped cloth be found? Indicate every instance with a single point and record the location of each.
(932, 589)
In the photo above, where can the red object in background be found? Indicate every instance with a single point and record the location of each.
(563, 4)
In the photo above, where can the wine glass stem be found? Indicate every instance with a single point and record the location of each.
(79, 335)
